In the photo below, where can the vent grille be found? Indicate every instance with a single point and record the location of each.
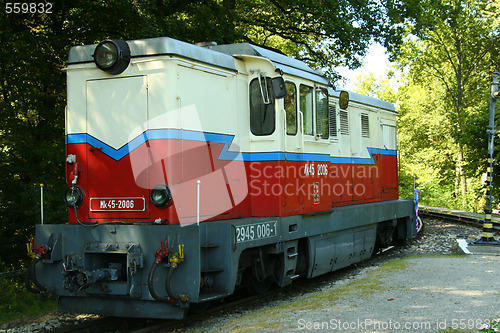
(365, 126)
(344, 122)
(333, 120)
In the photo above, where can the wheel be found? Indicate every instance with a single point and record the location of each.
(255, 287)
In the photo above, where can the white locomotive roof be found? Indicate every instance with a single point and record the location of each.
(222, 56)
(159, 46)
(366, 100)
(218, 55)
(286, 64)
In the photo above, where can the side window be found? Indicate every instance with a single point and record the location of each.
(291, 108)
(306, 106)
(322, 113)
(262, 115)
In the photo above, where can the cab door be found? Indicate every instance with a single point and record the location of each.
(293, 147)
(117, 113)
(389, 160)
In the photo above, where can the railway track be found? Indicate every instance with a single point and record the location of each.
(473, 219)
(135, 325)
(239, 303)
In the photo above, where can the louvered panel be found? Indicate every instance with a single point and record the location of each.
(333, 120)
(344, 122)
(365, 126)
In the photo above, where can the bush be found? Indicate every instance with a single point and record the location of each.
(17, 302)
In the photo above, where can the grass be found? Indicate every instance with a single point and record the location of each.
(17, 303)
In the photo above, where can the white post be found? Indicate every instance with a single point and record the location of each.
(198, 202)
(41, 203)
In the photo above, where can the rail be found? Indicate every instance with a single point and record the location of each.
(475, 219)
(9, 274)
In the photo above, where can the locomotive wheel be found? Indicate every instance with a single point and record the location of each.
(255, 287)
(255, 281)
(255, 277)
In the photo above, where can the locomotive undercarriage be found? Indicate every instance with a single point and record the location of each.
(108, 269)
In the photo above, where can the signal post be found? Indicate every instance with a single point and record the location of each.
(487, 236)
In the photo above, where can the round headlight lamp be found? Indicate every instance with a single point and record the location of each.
(112, 56)
(73, 197)
(161, 196)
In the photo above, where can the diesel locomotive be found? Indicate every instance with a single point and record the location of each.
(194, 171)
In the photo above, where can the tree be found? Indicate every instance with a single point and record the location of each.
(455, 46)
(379, 88)
(428, 151)
(34, 50)
(326, 33)
(32, 102)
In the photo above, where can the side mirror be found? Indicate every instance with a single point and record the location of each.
(279, 87)
(344, 100)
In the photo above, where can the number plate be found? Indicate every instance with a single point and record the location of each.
(117, 204)
(256, 231)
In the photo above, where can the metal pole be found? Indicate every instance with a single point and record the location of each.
(198, 202)
(487, 236)
(41, 203)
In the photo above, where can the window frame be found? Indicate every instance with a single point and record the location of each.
(252, 106)
(313, 110)
(326, 126)
(295, 95)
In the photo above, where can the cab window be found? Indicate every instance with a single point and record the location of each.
(262, 114)
(322, 113)
(291, 108)
(307, 108)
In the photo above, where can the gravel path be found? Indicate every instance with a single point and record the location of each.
(420, 295)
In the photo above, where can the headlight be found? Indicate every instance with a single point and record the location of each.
(112, 56)
(161, 196)
(73, 197)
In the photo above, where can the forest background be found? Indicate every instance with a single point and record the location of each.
(446, 50)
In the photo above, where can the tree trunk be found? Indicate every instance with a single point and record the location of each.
(460, 95)
(229, 35)
(461, 174)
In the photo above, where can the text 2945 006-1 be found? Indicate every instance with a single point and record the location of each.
(256, 231)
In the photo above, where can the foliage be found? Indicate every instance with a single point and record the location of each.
(449, 61)
(380, 88)
(16, 301)
(325, 34)
(428, 145)
(427, 152)
(493, 326)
